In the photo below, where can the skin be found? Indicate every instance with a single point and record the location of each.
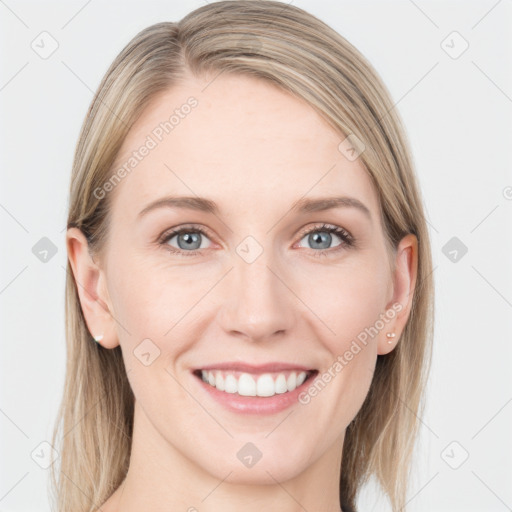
(254, 150)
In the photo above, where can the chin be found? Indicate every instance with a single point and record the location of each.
(266, 470)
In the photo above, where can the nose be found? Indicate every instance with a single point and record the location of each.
(260, 304)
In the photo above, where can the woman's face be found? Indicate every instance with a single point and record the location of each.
(256, 278)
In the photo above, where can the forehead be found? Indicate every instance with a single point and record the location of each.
(244, 142)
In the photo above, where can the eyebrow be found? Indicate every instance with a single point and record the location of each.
(301, 206)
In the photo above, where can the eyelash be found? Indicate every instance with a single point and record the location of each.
(347, 239)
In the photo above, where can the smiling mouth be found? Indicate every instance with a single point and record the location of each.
(262, 385)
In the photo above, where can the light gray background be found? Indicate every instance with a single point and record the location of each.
(457, 112)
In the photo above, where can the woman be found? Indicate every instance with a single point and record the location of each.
(218, 357)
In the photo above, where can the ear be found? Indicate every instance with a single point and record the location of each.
(404, 282)
(92, 290)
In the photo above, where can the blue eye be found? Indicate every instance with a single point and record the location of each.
(322, 237)
(189, 239)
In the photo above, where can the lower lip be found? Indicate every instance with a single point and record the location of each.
(255, 404)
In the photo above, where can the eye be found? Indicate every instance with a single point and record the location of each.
(321, 238)
(188, 239)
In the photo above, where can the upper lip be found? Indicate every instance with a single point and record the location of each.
(253, 368)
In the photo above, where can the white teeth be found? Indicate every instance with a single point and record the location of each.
(281, 384)
(301, 378)
(291, 383)
(246, 385)
(266, 385)
(231, 385)
(219, 381)
(251, 385)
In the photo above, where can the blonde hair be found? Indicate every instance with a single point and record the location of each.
(299, 53)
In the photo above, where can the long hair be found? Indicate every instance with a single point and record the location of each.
(300, 54)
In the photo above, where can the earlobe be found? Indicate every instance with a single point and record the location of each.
(93, 294)
(404, 283)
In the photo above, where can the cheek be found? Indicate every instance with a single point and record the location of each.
(348, 298)
(355, 303)
(149, 301)
(151, 305)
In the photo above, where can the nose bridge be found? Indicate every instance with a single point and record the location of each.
(260, 304)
